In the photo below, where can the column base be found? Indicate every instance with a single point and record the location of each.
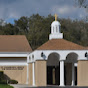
(34, 85)
(72, 85)
(26, 82)
(61, 85)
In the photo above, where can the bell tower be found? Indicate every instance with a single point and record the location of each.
(55, 30)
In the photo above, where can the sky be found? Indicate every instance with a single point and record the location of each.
(14, 9)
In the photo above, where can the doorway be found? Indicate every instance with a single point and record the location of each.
(53, 69)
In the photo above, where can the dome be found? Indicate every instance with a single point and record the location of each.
(55, 23)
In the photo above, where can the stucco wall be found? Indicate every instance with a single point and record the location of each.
(30, 74)
(82, 73)
(18, 73)
(40, 73)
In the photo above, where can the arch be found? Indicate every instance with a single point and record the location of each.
(71, 69)
(71, 58)
(56, 29)
(53, 69)
(53, 59)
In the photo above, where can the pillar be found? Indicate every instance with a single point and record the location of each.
(33, 67)
(40, 73)
(73, 75)
(61, 73)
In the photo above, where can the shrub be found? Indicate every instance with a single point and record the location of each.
(1, 75)
(3, 82)
(13, 81)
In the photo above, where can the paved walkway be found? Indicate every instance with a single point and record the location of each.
(20, 86)
(27, 86)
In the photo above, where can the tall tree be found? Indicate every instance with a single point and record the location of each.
(22, 25)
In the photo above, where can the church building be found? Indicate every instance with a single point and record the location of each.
(56, 62)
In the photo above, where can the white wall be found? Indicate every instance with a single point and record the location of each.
(13, 61)
(62, 53)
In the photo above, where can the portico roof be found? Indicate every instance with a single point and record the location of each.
(60, 44)
(14, 43)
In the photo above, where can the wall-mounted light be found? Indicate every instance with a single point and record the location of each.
(86, 54)
(42, 54)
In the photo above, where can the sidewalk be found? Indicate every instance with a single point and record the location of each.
(20, 85)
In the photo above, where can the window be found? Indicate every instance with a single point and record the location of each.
(29, 58)
(53, 29)
(59, 29)
(32, 57)
(56, 29)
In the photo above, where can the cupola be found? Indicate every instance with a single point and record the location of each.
(55, 30)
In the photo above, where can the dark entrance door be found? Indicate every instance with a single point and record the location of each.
(57, 75)
(75, 75)
(49, 75)
(53, 75)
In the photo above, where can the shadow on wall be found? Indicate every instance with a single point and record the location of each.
(4, 79)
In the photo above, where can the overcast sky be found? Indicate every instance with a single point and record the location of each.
(14, 9)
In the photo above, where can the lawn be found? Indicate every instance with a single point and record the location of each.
(5, 86)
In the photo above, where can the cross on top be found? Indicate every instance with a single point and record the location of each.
(56, 17)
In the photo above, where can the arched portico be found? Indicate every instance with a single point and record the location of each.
(67, 69)
(53, 69)
(71, 69)
(57, 59)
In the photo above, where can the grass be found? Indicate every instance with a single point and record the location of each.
(5, 86)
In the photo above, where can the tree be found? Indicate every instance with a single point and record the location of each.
(2, 22)
(82, 3)
(22, 25)
(37, 29)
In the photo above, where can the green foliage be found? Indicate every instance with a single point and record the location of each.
(37, 29)
(5, 86)
(1, 75)
(3, 82)
(13, 82)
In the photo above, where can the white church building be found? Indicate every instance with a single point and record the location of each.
(56, 62)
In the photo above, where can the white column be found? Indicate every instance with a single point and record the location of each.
(61, 73)
(27, 70)
(73, 75)
(33, 66)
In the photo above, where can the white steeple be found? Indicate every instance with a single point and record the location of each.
(55, 30)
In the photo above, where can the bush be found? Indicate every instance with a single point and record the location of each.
(1, 75)
(3, 82)
(13, 82)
